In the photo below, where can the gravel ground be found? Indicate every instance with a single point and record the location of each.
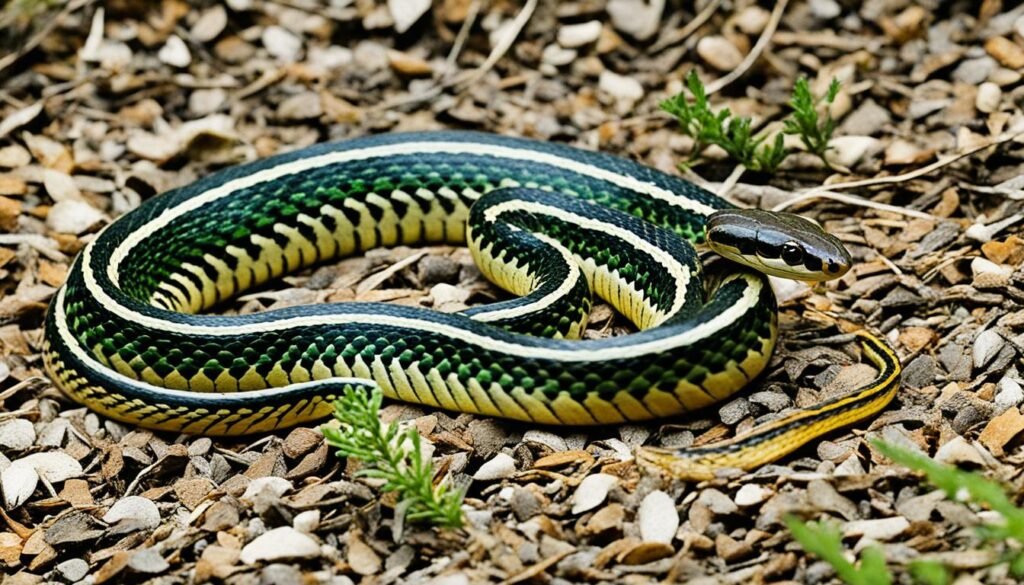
(103, 105)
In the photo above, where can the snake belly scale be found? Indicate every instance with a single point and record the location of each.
(553, 224)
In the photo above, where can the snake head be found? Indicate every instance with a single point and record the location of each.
(777, 243)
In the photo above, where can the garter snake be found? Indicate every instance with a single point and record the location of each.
(550, 223)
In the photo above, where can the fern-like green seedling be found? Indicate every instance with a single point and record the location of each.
(804, 122)
(734, 134)
(973, 488)
(394, 456)
(824, 540)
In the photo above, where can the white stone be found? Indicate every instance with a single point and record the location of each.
(17, 434)
(175, 52)
(18, 481)
(849, 150)
(572, 36)
(132, 513)
(280, 543)
(275, 486)
(499, 467)
(1008, 394)
(73, 569)
(329, 58)
(54, 466)
(752, 20)
(825, 9)
(210, 24)
(986, 346)
(405, 13)
(658, 517)
(639, 19)
(557, 56)
(957, 450)
(282, 44)
(751, 494)
(592, 491)
(307, 521)
(882, 529)
(620, 87)
(73, 217)
(60, 186)
(718, 52)
(988, 98)
(980, 266)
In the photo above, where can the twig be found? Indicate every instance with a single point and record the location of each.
(460, 39)
(504, 44)
(730, 181)
(684, 33)
(854, 200)
(759, 47)
(828, 191)
(44, 32)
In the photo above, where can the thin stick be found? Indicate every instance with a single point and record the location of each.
(684, 33)
(44, 32)
(730, 181)
(827, 191)
(460, 39)
(755, 53)
(504, 44)
(855, 200)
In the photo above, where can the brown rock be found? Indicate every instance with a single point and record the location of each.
(76, 492)
(192, 492)
(9, 212)
(730, 549)
(605, 520)
(1001, 430)
(10, 548)
(646, 552)
(1009, 251)
(1006, 52)
(411, 65)
(300, 441)
(917, 338)
(11, 185)
(222, 515)
(115, 565)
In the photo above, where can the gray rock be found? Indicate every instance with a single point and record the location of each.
(148, 560)
(73, 569)
(734, 411)
(525, 504)
(433, 270)
(773, 401)
(867, 119)
(717, 502)
(1008, 394)
(974, 71)
(280, 574)
(920, 372)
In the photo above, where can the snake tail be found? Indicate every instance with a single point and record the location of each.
(771, 441)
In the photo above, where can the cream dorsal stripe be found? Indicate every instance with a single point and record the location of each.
(454, 148)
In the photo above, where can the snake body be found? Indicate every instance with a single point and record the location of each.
(553, 224)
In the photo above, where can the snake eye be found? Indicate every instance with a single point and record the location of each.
(792, 254)
(832, 267)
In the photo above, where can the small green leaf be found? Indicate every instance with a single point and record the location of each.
(929, 573)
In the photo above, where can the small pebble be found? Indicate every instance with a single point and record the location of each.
(499, 467)
(658, 517)
(73, 569)
(592, 491)
(132, 513)
(175, 52)
(1008, 394)
(572, 36)
(718, 52)
(282, 44)
(882, 529)
(280, 543)
(620, 87)
(986, 346)
(988, 98)
(751, 494)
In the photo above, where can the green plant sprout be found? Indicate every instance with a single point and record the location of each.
(824, 540)
(393, 456)
(734, 134)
